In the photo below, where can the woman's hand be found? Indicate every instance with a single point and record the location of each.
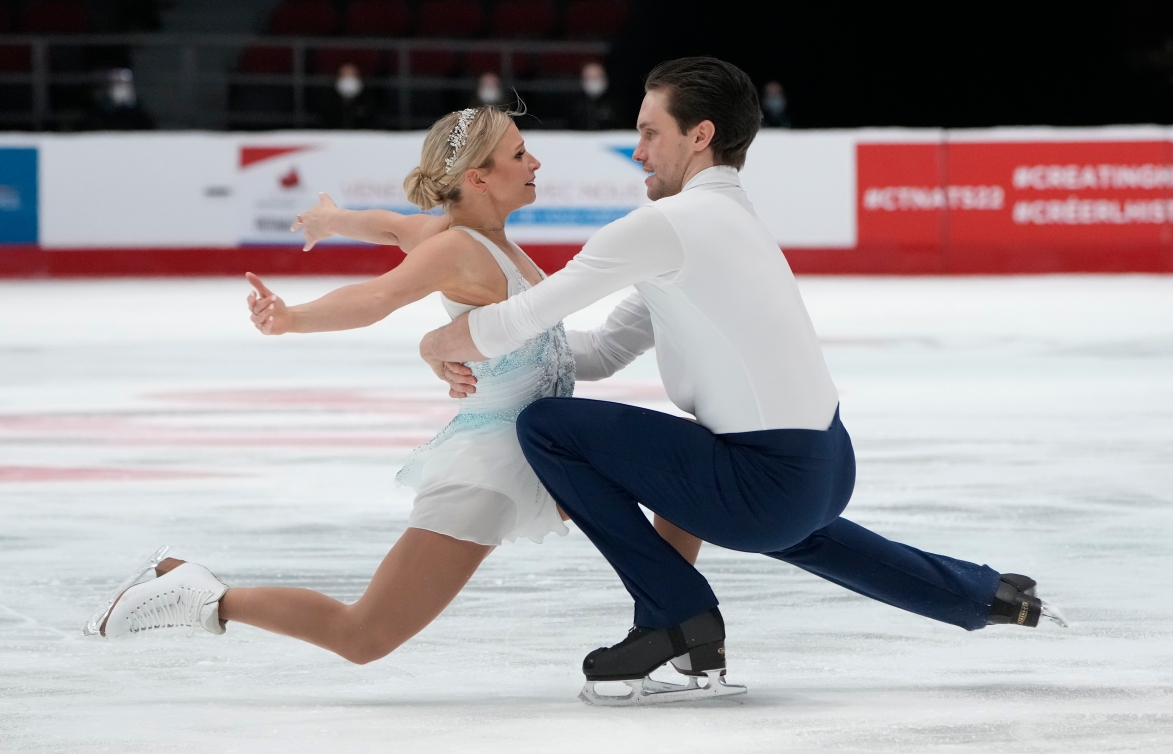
(317, 222)
(269, 313)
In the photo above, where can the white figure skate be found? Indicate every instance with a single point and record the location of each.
(181, 595)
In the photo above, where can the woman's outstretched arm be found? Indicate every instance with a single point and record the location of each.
(440, 264)
(372, 225)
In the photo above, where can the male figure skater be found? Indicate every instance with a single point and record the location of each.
(767, 467)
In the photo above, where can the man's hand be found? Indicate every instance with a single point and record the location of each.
(269, 313)
(446, 349)
(459, 377)
(460, 381)
(317, 221)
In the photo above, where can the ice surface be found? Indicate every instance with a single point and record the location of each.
(1022, 422)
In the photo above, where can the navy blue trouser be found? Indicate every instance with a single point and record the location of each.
(778, 492)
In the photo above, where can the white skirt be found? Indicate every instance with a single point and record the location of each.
(476, 485)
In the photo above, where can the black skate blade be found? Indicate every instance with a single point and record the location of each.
(93, 626)
(647, 691)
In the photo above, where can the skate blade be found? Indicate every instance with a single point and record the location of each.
(645, 691)
(93, 626)
(1051, 612)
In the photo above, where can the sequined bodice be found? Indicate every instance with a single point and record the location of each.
(543, 367)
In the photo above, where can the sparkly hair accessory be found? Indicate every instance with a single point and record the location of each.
(459, 134)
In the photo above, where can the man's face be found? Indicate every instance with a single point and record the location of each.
(662, 149)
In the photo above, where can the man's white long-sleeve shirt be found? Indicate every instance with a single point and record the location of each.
(714, 295)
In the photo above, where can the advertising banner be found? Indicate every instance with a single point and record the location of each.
(1031, 205)
(584, 182)
(18, 195)
(878, 201)
(1088, 194)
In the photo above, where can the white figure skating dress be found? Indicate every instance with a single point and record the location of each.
(472, 481)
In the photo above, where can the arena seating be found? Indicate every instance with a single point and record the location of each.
(305, 18)
(444, 19)
(329, 59)
(278, 77)
(54, 17)
(522, 19)
(440, 20)
(377, 18)
(594, 19)
(13, 58)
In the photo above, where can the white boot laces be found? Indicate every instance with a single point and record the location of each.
(160, 612)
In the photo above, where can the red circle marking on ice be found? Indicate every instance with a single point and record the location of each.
(66, 474)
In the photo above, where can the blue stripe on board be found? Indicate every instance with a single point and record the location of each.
(594, 217)
(590, 216)
(18, 195)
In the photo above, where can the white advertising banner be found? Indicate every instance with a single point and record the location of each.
(226, 190)
(584, 183)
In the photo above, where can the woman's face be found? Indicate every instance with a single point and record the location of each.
(510, 180)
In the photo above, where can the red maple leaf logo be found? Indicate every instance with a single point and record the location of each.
(291, 179)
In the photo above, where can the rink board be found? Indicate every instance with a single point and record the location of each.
(872, 201)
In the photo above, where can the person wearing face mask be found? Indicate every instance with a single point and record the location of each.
(116, 106)
(489, 91)
(350, 104)
(774, 113)
(593, 110)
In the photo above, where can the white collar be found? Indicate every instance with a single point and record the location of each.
(718, 174)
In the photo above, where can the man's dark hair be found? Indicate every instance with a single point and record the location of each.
(705, 88)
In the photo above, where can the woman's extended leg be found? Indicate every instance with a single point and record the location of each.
(421, 574)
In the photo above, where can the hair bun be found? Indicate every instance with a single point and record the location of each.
(422, 190)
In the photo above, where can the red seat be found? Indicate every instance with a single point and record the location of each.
(16, 59)
(482, 61)
(433, 62)
(444, 18)
(377, 18)
(522, 19)
(266, 60)
(54, 17)
(329, 60)
(309, 18)
(450, 18)
(594, 19)
(565, 63)
(13, 58)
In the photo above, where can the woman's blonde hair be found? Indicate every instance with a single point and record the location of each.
(440, 173)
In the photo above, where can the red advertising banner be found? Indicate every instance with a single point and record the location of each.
(1019, 206)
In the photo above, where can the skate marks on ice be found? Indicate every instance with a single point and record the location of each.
(997, 422)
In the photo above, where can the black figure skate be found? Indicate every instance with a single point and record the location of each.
(696, 649)
(1016, 602)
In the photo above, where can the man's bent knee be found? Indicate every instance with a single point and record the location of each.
(536, 420)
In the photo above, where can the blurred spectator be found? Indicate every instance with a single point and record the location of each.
(350, 104)
(774, 106)
(594, 110)
(489, 91)
(116, 106)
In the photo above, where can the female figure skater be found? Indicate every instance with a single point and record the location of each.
(474, 488)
